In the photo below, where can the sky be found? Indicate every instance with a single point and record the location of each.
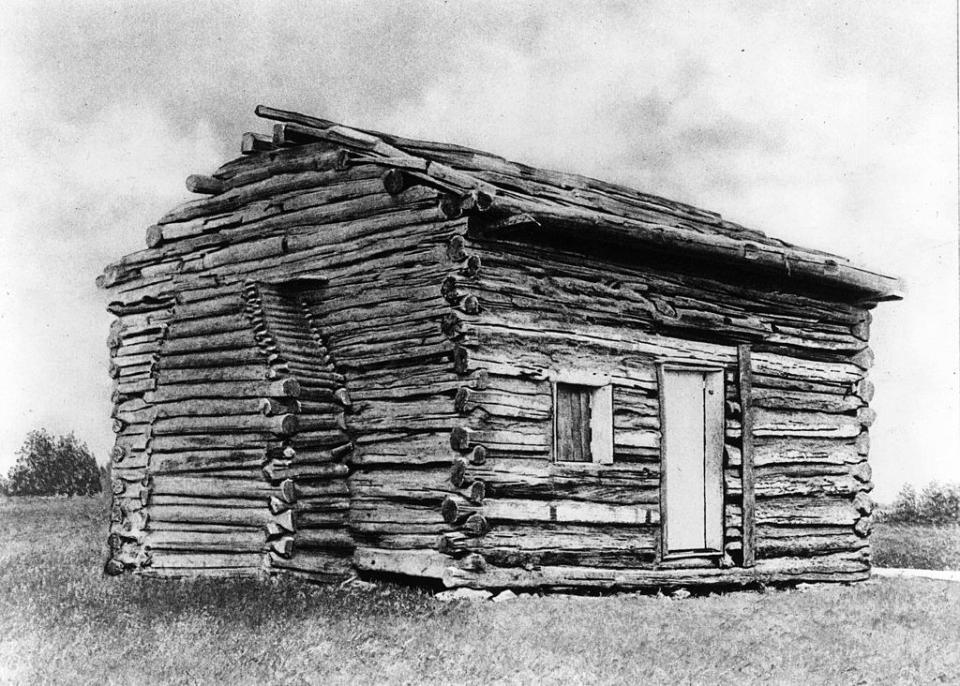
(832, 125)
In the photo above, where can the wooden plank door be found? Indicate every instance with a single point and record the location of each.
(692, 460)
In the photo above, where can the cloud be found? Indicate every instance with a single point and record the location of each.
(80, 196)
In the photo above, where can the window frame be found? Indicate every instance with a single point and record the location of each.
(601, 416)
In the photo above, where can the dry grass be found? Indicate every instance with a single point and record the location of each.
(62, 622)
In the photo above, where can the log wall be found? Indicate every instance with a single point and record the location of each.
(278, 348)
(526, 311)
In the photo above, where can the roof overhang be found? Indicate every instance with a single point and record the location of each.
(480, 183)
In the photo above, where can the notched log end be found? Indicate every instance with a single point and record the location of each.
(342, 396)
(283, 546)
(154, 236)
(395, 181)
(450, 510)
(473, 562)
(479, 455)
(473, 265)
(471, 304)
(460, 402)
(208, 185)
(450, 206)
(460, 438)
(477, 525)
(458, 472)
(113, 567)
(461, 360)
(288, 491)
(478, 491)
(455, 249)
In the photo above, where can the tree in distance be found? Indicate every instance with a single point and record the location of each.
(53, 465)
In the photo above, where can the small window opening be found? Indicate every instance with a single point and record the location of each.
(583, 423)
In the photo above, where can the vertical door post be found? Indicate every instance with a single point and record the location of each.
(746, 451)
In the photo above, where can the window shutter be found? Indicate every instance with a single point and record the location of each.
(583, 426)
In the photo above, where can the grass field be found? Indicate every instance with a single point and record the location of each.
(910, 545)
(62, 622)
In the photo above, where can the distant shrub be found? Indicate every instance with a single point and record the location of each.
(937, 504)
(54, 465)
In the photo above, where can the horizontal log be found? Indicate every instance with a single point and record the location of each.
(796, 400)
(277, 471)
(504, 404)
(321, 565)
(463, 439)
(211, 515)
(318, 489)
(212, 486)
(195, 375)
(538, 479)
(188, 443)
(315, 519)
(248, 355)
(770, 484)
(307, 422)
(322, 439)
(424, 564)
(207, 461)
(284, 424)
(207, 326)
(398, 448)
(515, 546)
(280, 388)
(228, 340)
(171, 560)
(776, 451)
(198, 183)
(797, 368)
(808, 511)
(386, 516)
(837, 567)
(781, 423)
(494, 510)
(327, 539)
(233, 541)
(808, 545)
(203, 573)
(798, 385)
(251, 502)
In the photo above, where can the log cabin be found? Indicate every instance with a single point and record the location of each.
(359, 353)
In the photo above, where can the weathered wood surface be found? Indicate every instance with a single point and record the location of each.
(422, 355)
(837, 567)
(747, 456)
(551, 544)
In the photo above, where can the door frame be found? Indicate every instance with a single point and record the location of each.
(709, 555)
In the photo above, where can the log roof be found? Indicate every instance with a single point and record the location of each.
(571, 201)
(511, 193)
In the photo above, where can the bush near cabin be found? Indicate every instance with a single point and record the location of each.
(53, 465)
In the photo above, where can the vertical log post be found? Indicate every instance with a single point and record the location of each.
(746, 450)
